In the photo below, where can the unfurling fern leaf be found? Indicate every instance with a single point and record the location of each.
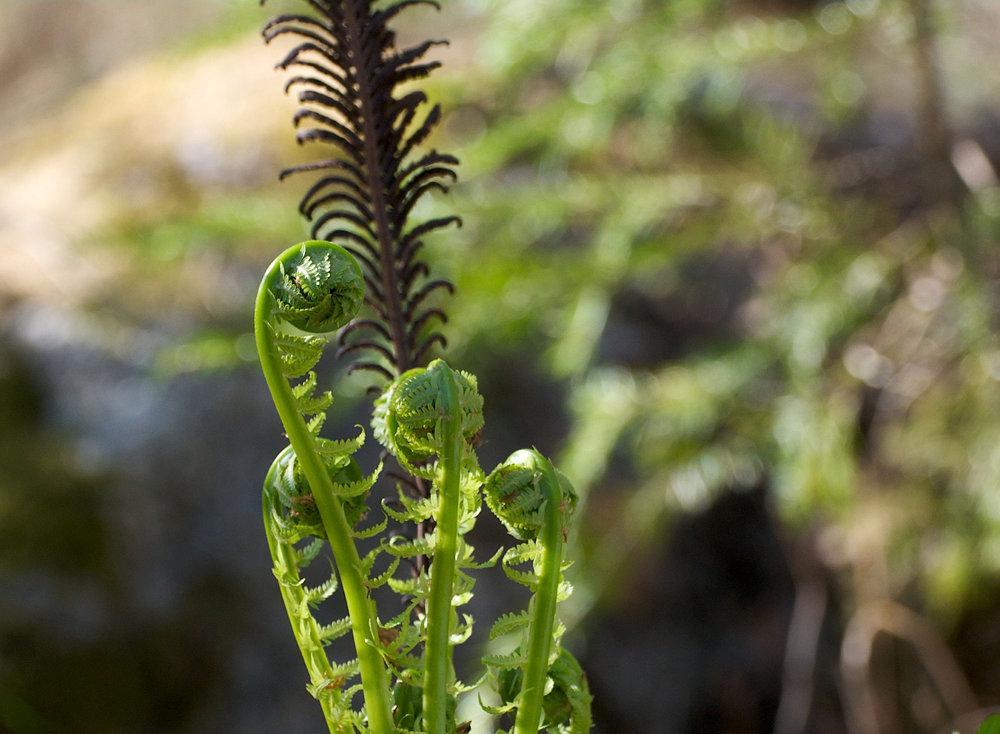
(515, 492)
(428, 419)
(349, 482)
(315, 487)
(319, 291)
(535, 501)
(407, 416)
(284, 529)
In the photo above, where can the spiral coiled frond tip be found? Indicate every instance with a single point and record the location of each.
(407, 418)
(516, 492)
(320, 289)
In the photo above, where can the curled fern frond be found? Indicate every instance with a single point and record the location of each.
(293, 495)
(285, 530)
(316, 289)
(347, 75)
(516, 494)
(538, 679)
(407, 418)
(321, 290)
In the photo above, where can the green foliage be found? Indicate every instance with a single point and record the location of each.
(603, 188)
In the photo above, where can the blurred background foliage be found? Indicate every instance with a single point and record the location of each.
(734, 262)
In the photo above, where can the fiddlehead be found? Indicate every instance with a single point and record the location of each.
(428, 418)
(539, 680)
(315, 485)
(348, 74)
(518, 493)
(319, 291)
(407, 416)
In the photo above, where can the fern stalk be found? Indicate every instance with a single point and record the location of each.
(374, 170)
(437, 657)
(543, 613)
(364, 622)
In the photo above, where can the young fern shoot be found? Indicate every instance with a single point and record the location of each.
(428, 418)
(286, 525)
(310, 290)
(540, 680)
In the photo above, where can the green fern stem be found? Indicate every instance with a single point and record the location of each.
(437, 657)
(364, 621)
(305, 628)
(543, 613)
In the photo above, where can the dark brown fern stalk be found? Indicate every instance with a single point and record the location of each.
(348, 71)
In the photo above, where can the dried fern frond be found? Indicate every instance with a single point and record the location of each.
(348, 74)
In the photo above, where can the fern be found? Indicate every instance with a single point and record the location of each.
(315, 488)
(284, 528)
(539, 680)
(427, 419)
(347, 72)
